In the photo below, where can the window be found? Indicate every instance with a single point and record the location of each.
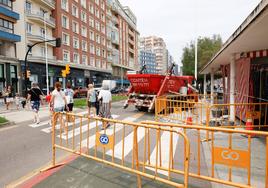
(91, 22)
(75, 27)
(75, 11)
(92, 49)
(29, 28)
(91, 8)
(42, 32)
(84, 16)
(102, 5)
(102, 17)
(64, 5)
(76, 57)
(84, 3)
(65, 39)
(84, 45)
(103, 29)
(97, 13)
(84, 59)
(6, 26)
(103, 64)
(28, 7)
(98, 40)
(66, 56)
(97, 63)
(76, 43)
(65, 22)
(84, 31)
(98, 26)
(103, 53)
(97, 2)
(92, 61)
(103, 42)
(91, 35)
(98, 53)
(43, 51)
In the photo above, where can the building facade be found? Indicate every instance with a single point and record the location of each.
(157, 46)
(122, 39)
(9, 65)
(148, 58)
(36, 25)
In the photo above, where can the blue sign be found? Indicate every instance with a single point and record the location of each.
(104, 139)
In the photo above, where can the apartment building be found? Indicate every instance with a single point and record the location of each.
(147, 58)
(122, 39)
(9, 64)
(82, 26)
(158, 46)
(36, 25)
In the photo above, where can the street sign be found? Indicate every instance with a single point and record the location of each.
(104, 140)
(231, 157)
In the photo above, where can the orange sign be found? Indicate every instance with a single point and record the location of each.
(230, 157)
(104, 140)
(253, 115)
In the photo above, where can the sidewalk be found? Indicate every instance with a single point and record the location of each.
(26, 114)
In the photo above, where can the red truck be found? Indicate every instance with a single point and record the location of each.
(145, 88)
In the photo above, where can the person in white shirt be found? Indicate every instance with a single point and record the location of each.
(58, 101)
(105, 98)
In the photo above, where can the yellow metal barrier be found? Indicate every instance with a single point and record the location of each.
(226, 155)
(82, 135)
(205, 113)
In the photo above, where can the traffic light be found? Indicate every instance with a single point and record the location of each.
(28, 74)
(67, 69)
(58, 42)
(63, 73)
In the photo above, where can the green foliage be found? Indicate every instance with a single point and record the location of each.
(206, 49)
(3, 120)
(82, 103)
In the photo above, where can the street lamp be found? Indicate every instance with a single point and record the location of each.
(45, 27)
(58, 44)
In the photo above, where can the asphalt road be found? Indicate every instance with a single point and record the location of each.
(26, 147)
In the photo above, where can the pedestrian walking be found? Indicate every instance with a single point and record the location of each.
(35, 97)
(105, 98)
(91, 100)
(58, 102)
(69, 94)
(17, 100)
(97, 105)
(9, 97)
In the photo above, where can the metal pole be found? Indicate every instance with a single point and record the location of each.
(121, 77)
(45, 26)
(212, 86)
(232, 88)
(195, 57)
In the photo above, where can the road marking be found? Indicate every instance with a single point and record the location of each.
(84, 128)
(165, 139)
(35, 125)
(109, 131)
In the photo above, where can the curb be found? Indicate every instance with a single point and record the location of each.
(6, 124)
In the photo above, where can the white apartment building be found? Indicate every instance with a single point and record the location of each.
(36, 25)
(158, 46)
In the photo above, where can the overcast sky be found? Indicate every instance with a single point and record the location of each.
(180, 21)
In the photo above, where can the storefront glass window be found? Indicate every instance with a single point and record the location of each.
(13, 71)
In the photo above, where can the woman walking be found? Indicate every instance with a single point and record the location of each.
(69, 95)
(91, 100)
(105, 97)
(9, 97)
(35, 96)
(58, 102)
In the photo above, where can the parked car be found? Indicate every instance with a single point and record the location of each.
(80, 92)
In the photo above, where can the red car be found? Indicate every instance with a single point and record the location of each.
(80, 92)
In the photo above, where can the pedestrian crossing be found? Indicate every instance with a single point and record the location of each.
(88, 130)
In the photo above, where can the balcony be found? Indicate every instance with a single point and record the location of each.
(110, 58)
(131, 33)
(6, 35)
(9, 13)
(41, 58)
(131, 50)
(109, 47)
(40, 38)
(115, 20)
(39, 17)
(131, 63)
(131, 41)
(47, 3)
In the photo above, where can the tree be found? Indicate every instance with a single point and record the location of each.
(206, 49)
